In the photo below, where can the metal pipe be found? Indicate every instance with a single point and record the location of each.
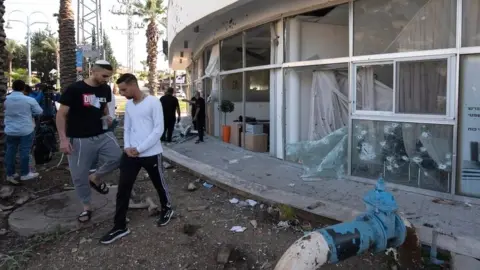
(376, 230)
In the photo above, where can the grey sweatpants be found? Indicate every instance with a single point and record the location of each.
(85, 152)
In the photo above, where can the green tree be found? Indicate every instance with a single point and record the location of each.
(152, 12)
(43, 61)
(11, 48)
(51, 44)
(109, 56)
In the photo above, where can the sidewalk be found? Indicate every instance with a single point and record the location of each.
(279, 181)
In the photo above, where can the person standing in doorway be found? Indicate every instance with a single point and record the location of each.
(193, 109)
(143, 128)
(170, 105)
(199, 117)
(83, 128)
(19, 130)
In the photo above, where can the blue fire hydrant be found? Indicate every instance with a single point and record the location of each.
(376, 230)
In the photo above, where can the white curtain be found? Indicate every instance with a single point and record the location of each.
(329, 105)
(212, 70)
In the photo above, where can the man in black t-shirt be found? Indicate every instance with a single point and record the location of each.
(199, 117)
(83, 127)
(170, 105)
(193, 107)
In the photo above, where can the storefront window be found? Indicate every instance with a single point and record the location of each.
(206, 58)
(375, 87)
(322, 34)
(412, 154)
(231, 53)
(258, 42)
(471, 23)
(391, 26)
(322, 148)
(422, 87)
(258, 86)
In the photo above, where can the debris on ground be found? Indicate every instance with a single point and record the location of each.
(191, 187)
(291, 185)
(6, 208)
(238, 229)
(167, 165)
(254, 223)
(283, 225)
(443, 201)
(197, 208)
(6, 192)
(234, 200)
(252, 203)
(3, 232)
(153, 209)
(207, 185)
(139, 205)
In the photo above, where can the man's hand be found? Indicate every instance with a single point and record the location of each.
(109, 120)
(178, 119)
(131, 152)
(65, 146)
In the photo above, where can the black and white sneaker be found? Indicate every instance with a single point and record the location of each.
(165, 217)
(114, 235)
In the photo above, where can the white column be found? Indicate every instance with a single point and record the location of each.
(293, 85)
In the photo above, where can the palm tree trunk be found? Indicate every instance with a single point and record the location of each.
(66, 34)
(3, 89)
(57, 55)
(10, 60)
(152, 54)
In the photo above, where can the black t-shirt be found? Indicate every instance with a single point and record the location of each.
(192, 105)
(200, 103)
(87, 105)
(170, 105)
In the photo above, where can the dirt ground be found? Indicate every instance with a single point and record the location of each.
(192, 240)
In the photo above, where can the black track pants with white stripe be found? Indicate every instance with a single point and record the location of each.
(129, 169)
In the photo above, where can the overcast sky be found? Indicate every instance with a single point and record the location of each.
(49, 7)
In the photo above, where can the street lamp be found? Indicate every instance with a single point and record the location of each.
(28, 24)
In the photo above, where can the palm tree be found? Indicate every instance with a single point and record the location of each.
(51, 44)
(3, 87)
(11, 47)
(151, 11)
(66, 34)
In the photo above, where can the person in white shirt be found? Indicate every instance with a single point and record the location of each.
(143, 127)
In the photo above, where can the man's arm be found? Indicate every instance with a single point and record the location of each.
(36, 109)
(66, 101)
(178, 108)
(154, 137)
(127, 127)
(61, 121)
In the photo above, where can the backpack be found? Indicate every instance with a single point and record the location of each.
(45, 144)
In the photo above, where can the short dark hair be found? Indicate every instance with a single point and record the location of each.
(170, 90)
(18, 85)
(28, 89)
(127, 78)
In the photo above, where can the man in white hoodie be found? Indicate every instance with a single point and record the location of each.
(143, 127)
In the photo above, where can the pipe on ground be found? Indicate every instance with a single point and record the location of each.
(376, 230)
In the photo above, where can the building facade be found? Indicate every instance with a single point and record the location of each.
(349, 89)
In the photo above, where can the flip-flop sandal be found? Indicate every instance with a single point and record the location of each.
(102, 188)
(85, 216)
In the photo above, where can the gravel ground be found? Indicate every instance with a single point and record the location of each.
(192, 240)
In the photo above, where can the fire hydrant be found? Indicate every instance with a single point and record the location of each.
(376, 230)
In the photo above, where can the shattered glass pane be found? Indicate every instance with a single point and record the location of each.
(325, 158)
(412, 154)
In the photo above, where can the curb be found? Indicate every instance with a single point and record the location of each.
(322, 209)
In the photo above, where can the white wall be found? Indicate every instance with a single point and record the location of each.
(323, 41)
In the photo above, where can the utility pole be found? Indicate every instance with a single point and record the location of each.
(127, 9)
(89, 18)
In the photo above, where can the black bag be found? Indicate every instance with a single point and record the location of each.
(45, 144)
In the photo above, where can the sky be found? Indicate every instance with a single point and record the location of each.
(49, 7)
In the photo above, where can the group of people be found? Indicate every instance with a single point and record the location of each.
(84, 123)
(28, 112)
(171, 106)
